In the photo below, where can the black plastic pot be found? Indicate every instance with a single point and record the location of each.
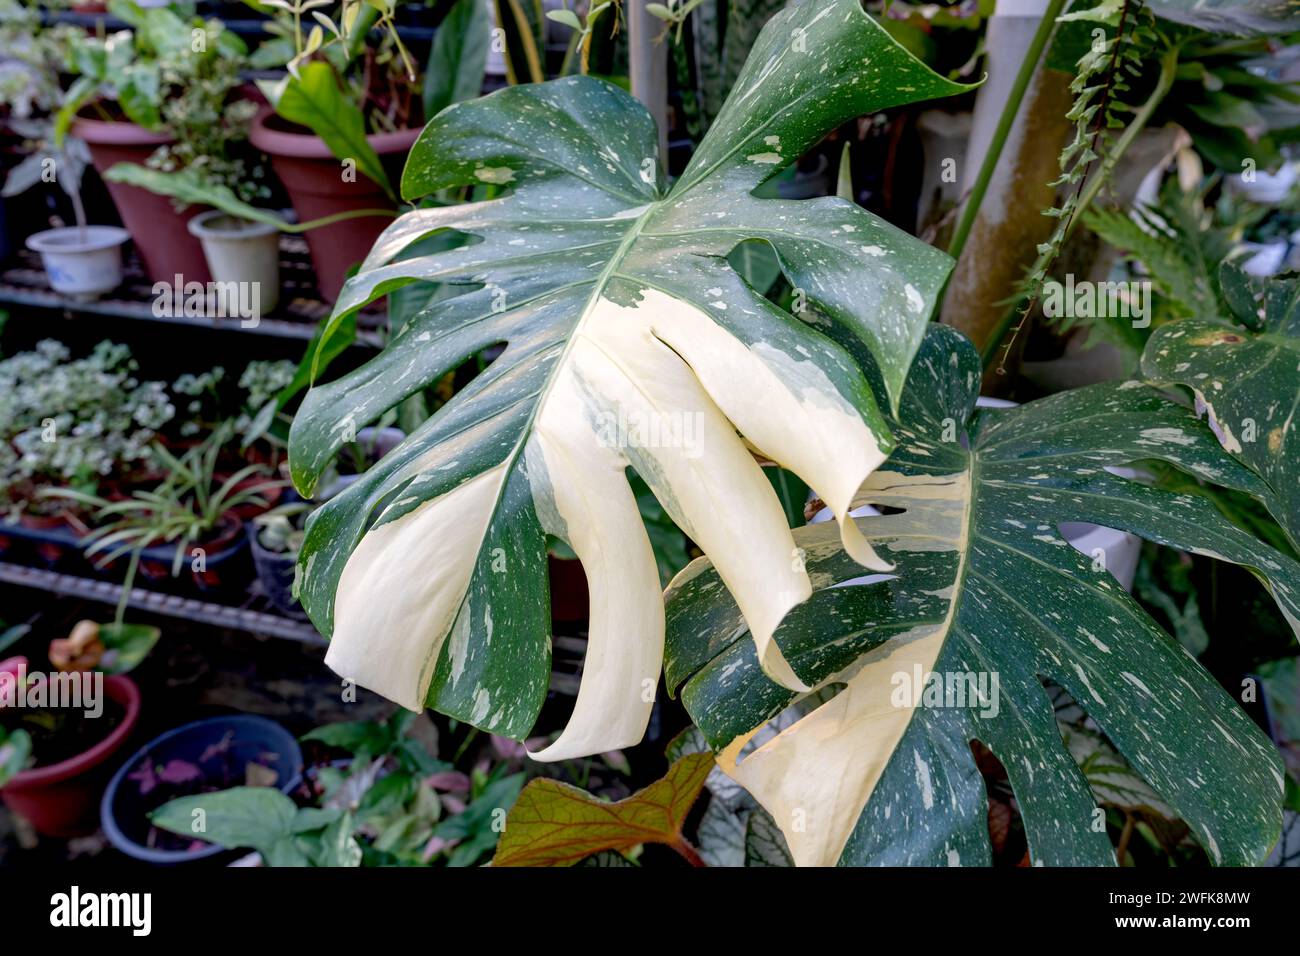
(54, 542)
(124, 810)
(275, 573)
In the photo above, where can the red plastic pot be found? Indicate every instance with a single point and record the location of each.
(60, 800)
(313, 177)
(160, 233)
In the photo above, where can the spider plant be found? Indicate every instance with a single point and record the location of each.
(183, 510)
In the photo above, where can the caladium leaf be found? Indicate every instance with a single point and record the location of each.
(629, 340)
(989, 598)
(556, 824)
(1247, 379)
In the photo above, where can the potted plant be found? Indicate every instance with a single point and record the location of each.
(202, 757)
(974, 575)
(82, 423)
(162, 95)
(361, 107)
(192, 514)
(274, 539)
(68, 738)
(375, 796)
(31, 61)
(339, 123)
(81, 261)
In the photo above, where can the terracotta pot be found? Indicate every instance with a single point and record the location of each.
(160, 233)
(312, 175)
(60, 800)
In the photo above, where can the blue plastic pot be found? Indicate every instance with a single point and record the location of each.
(124, 811)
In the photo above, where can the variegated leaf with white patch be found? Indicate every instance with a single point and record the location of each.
(628, 340)
(1246, 379)
(989, 598)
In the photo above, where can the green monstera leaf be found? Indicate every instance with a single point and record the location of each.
(990, 599)
(1247, 379)
(629, 340)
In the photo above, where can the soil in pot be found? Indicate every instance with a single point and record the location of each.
(314, 179)
(220, 767)
(58, 734)
(160, 232)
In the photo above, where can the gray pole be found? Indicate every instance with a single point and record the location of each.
(648, 67)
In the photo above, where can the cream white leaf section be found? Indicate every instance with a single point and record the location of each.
(702, 473)
(785, 407)
(583, 496)
(815, 777)
(388, 625)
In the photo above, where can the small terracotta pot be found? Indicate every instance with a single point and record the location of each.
(60, 800)
(313, 177)
(160, 233)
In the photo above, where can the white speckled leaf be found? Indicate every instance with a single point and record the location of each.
(985, 584)
(629, 340)
(1247, 380)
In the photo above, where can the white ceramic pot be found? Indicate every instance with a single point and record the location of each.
(241, 251)
(83, 262)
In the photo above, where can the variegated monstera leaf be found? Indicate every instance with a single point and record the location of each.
(989, 598)
(1246, 378)
(629, 341)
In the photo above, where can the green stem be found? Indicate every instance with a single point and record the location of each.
(131, 567)
(329, 220)
(1168, 67)
(1003, 129)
